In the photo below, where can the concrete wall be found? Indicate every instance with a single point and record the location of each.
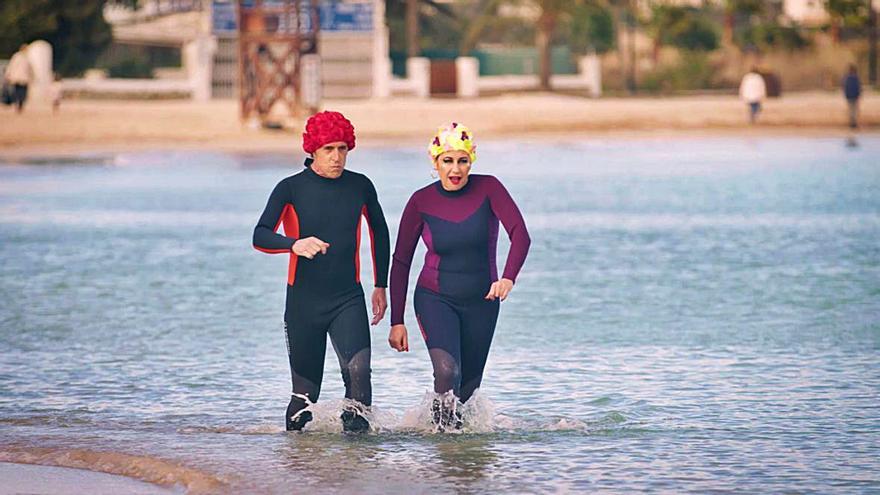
(347, 64)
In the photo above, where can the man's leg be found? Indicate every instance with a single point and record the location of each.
(20, 95)
(853, 113)
(306, 347)
(350, 336)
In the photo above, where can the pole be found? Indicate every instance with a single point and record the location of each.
(872, 43)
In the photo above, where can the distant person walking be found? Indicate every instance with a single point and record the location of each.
(752, 90)
(852, 90)
(19, 74)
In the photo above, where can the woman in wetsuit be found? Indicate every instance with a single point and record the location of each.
(458, 291)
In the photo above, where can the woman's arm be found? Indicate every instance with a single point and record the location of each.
(407, 238)
(506, 210)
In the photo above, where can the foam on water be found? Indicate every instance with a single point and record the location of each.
(479, 416)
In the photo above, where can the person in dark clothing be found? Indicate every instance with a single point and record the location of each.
(458, 291)
(320, 209)
(18, 76)
(852, 90)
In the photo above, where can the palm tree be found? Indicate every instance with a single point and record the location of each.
(739, 8)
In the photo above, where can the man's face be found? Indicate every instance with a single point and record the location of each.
(330, 159)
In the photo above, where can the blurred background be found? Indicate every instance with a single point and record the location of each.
(272, 62)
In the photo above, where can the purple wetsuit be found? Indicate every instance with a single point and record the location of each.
(460, 230)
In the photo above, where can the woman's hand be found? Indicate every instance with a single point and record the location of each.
(500, 289)
(398, 338)
(309, 247)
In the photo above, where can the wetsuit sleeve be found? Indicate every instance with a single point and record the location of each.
(266, 238)
(407, 238)
(506, 210)
(380, 241)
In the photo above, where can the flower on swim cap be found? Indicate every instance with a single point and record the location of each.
(453, 137)
(327, 127)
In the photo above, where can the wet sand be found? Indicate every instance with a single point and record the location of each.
(114, 125)
(50, 480)
(43, 470)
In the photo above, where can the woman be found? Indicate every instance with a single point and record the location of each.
(458, 292)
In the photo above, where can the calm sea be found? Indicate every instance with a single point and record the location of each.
(694, 316)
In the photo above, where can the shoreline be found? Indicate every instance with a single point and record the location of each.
(289, 145)
(55, 480)
(113, 126)
(116, 471)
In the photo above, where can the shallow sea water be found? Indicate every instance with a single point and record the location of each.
(694, 316)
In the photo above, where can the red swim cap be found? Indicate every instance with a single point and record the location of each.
(327, 127)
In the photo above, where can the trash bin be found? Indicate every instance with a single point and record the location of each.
(443, 78)
(773, 84)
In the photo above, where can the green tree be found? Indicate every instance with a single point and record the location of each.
(846, 13)
(687, 28)
(551, 13)
(548, 20)
(77, 30)
(735, 11)
(592, 28)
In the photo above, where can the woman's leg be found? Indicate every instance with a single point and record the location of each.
(477, 329)
(441, 328)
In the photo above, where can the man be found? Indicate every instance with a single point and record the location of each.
(19, 74)
(753, 90)
(320, 209)
(852, 90)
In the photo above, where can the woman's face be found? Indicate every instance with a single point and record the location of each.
(453, 168)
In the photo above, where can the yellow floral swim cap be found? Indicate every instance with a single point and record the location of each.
(453, 137)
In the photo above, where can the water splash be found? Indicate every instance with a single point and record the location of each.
(477, 414)
(326, 415)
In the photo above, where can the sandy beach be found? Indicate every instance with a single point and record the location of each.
(50, 480)
(114, 125)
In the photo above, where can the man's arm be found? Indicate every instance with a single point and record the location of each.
(380, 241)
(266, 238)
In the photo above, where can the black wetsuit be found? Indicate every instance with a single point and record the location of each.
(324, 294)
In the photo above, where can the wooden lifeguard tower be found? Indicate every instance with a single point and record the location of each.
(274, 38)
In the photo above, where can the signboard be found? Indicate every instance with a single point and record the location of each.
(340, 16)
(336, 16)
(224, 18)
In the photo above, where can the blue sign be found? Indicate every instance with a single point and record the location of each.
(335, 15)
(339, 16)
(223, 17)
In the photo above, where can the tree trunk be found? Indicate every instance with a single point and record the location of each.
(872, 44)
(544, 39)
(655, 52)
(412, 28)
(835, 30)
(631, 29)
(729, 25)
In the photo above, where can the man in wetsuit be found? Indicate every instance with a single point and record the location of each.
(320, 209)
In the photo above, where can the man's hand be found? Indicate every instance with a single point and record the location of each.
(309, 247)
(380, 304)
